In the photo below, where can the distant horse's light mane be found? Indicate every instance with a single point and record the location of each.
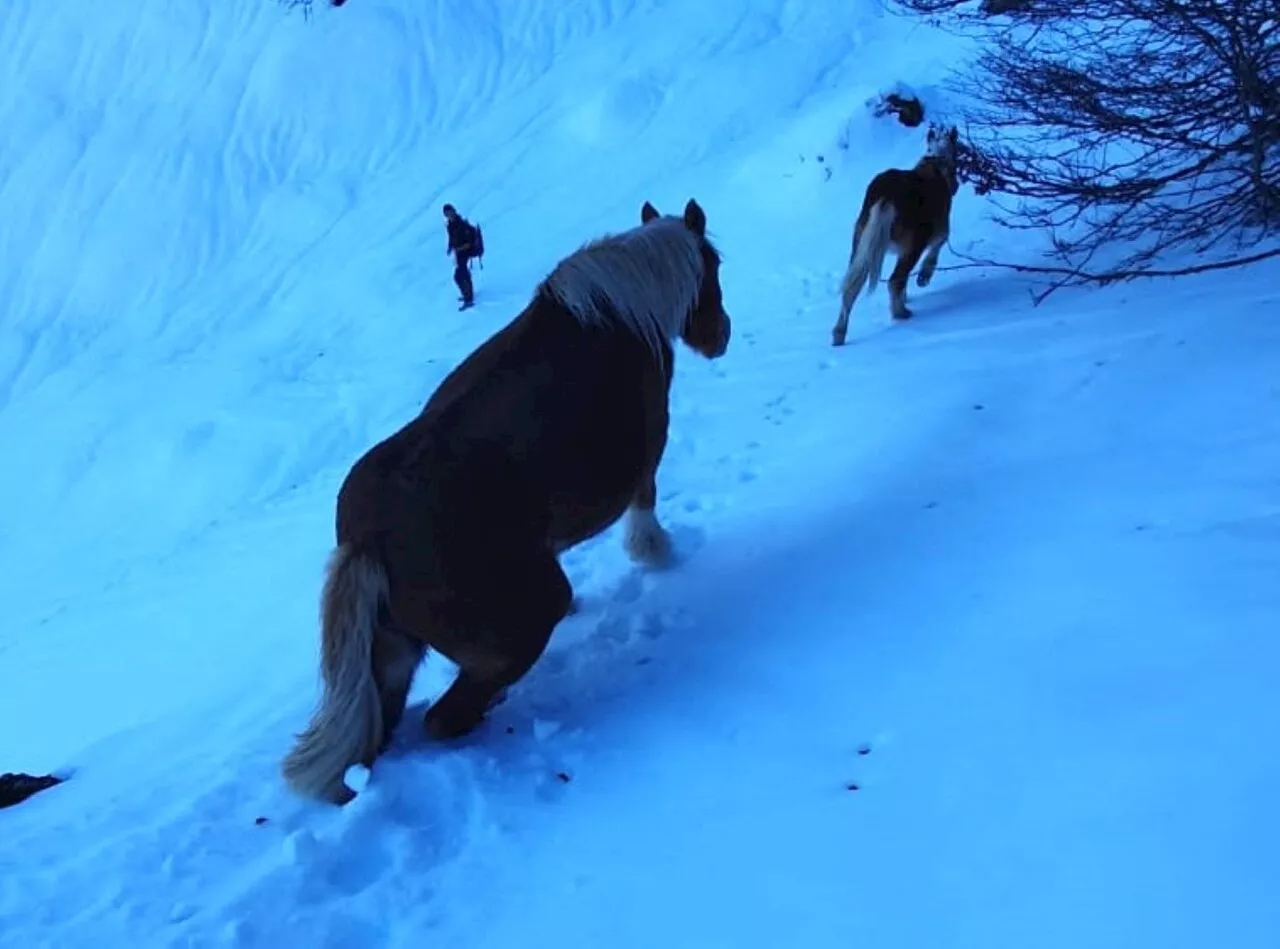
(647, 279)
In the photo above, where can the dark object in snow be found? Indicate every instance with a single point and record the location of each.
(564, 776)
(908, 109)
(16, 788)
(864, 749)
(989, 7)
(852, 786)
(448, 531)
(906, 209)
(260, 821)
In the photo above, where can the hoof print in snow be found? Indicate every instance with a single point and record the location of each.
(908, 109)
(16, 788)
(978, 407)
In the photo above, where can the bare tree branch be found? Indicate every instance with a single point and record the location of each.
(1148, 125)
(1077, 275)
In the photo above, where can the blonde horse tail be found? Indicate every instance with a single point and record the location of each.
(347, 727)
(870, 248)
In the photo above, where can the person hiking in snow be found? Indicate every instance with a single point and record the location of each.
(464, 244)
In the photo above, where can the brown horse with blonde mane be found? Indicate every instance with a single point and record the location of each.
(910, 210)
(448, 531)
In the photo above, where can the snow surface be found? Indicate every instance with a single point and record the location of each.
(973, 641)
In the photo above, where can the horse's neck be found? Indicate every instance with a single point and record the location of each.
(935, 167)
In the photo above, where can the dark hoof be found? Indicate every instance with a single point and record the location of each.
(903, 315)
(837, 339)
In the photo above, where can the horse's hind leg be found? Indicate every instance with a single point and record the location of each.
(930, 262)
(848, 296)
(495, 645)
(396, 656)
(850, 286)
(646, 541)
(909, 257)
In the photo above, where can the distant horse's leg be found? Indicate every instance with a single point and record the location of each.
(850, 287)
(930, 262)
(646, 540)
(495, 645)
(909, 257)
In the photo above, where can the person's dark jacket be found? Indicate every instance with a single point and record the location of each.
(462, 237)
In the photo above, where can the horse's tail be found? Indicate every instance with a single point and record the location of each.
(347, 728)
(869, 248)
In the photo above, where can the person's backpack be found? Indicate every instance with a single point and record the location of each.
(479, 244)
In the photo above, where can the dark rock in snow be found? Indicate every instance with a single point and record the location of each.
(16, 788)
(908, 109)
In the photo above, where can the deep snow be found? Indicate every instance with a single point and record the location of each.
(973, 638)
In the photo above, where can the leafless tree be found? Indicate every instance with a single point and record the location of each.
(1139, 126)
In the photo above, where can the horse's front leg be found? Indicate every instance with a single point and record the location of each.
(646, 541)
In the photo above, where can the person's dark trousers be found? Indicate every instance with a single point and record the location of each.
(462, 277)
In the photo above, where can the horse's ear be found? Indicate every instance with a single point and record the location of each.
(648, 213)
(695, 219)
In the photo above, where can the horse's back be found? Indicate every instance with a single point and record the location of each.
(545, 387)
(544, 420)
(920, 201)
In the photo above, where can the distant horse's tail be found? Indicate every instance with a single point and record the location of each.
(867, 259)
(347, 728)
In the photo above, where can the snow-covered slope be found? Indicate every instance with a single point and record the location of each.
(972, 640)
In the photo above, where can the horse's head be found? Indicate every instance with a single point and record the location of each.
(942, 146)
(708, 328)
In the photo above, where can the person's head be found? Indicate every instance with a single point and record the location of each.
(450, 212)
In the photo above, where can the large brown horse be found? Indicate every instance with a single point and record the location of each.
(448, 530)
(909, 210)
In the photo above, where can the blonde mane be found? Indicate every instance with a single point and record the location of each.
(646, 280)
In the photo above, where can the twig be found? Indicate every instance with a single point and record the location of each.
(1070, 274)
